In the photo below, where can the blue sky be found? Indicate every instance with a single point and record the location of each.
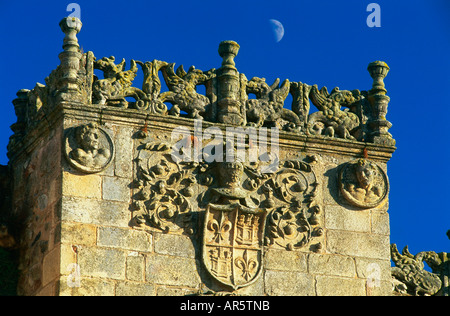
(326, 42)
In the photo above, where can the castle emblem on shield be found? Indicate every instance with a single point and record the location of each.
(233, 240)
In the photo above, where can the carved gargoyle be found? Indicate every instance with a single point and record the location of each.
(267, 108)
(116, 85)
(409, 270)
(331, 120)
(183, 95)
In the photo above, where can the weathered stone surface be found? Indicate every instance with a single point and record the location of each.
(78, 234)
(175, 245)
(85, 186)
(88, 287)
(169, 270)
(135, 289)
(135, 267)
(331, 265)
(373, 268)
(116, 189)
(286, 283)
(340, 218)
(286, 260)
(170, 291)
(123, 164)
(114, 237)
(358, 244)
(51, 266)
(380, 222)
(337, 286)
(102, 262)
(95, 212)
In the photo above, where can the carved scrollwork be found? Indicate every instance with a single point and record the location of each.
(296, 222)
(163, 192)
(244, 208)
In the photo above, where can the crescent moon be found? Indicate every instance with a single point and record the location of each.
(278, 29)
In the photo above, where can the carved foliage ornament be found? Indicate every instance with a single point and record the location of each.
(242, 209)
(363, 183)
(411, 278)
(228, 98)
(88, 148)
(410, 271)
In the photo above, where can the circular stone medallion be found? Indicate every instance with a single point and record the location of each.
(88, 148)
(363, 183)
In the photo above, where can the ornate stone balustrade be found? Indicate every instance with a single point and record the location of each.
(352, 115)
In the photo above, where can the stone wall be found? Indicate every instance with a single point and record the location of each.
(37, 207)
(83, 221)
(108, 209)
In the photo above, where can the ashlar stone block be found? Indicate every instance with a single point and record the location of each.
(169, 270)
(85, 186)
(129, 239)
(287, 283)
(116, 189)
(337, 286)
(102, 263)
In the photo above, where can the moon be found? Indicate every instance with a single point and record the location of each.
(277, 28)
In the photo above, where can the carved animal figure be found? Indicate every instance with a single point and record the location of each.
(267, 108)
(331, 120)
(117, 81)
(183, 95)
(409, 270)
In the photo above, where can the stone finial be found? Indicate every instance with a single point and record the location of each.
(228, 50)
(230, 109)
(71, 26)
(379, 101)
(378, 71)
(70, 60)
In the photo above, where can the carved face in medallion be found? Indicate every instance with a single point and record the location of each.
(365, 174)
(88, 148)
(363, 184)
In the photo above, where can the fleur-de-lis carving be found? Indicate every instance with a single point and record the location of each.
(247, 265)
(219, 228)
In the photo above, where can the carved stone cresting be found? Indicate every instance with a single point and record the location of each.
(242, 208)
(409, 270)
(353, 115)
(411, 278)
(363, 183)
(88, 148)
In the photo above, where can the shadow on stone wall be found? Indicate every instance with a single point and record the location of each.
(9, 273)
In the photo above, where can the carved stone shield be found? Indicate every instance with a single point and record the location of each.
(233, 243)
